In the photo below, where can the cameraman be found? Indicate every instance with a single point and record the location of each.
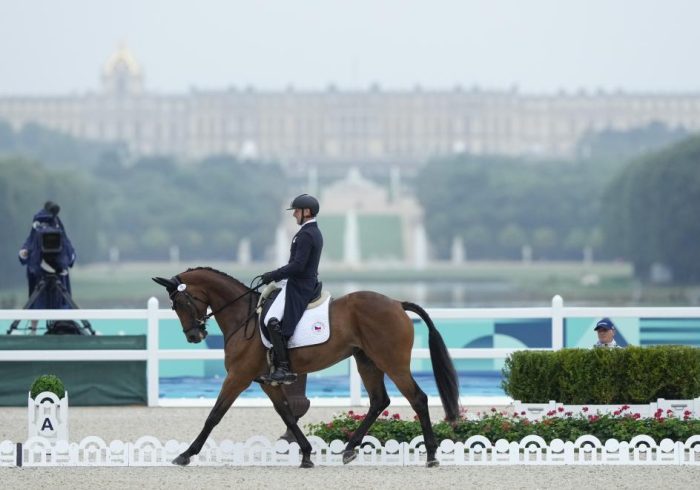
(42, 262)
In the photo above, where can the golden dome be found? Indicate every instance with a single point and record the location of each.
(120, 60)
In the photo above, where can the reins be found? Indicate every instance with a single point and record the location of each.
(202, 321)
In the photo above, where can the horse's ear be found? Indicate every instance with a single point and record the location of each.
(166, 283)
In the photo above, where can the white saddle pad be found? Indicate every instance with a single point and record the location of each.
(313, 328)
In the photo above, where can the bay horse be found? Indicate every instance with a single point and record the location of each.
(369, 326)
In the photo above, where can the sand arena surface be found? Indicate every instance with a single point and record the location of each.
(183, 424)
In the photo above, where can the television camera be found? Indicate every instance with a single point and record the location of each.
(50, 258)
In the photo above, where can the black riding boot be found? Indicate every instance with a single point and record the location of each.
(282, 373)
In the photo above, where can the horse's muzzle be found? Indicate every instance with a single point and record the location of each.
(196, 336)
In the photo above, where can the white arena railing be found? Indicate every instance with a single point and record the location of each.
(153, 355)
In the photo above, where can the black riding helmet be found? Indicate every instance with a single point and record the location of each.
(305, 201)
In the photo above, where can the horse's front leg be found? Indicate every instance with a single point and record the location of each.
(279, 401)
(230, 389)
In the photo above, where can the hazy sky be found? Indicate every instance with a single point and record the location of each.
(59, 46)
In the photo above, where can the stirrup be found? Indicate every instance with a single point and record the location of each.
(277, 377)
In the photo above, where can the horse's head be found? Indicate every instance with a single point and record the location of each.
(190, 302)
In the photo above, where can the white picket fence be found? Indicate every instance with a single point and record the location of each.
(152, 355)
(259, 451)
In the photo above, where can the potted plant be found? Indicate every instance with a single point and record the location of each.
(47, 408)
(47, 382)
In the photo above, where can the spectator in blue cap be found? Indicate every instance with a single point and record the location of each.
(605, 329)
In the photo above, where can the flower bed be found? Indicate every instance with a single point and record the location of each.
(622, 425)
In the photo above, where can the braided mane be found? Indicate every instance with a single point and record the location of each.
(210, 269)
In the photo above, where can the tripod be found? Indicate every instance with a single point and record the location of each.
(51, 283)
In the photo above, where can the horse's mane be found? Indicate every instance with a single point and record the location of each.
(211, 269)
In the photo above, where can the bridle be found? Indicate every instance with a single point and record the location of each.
(200, 321)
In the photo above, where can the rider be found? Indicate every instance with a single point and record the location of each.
(301, 274)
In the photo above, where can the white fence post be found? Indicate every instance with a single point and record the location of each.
(355, 384)
(557, 322)
(152, 364)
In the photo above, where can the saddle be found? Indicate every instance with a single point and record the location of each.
(270, 292)
(314, 324)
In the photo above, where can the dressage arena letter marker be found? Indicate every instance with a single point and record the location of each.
(46, 427)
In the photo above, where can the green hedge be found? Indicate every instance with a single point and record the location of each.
(604, 376)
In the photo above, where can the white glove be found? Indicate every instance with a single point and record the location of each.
(24, 253)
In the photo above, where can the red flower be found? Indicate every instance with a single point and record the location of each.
(584, 409)
(550, 413)
(385, 413)
(616, 412)
(560, 409)
(523, 413)
(636, 416)
(569, 414)
(625, 407)
(350, 412)
(688, 413)
(493, 409)
(396, 416)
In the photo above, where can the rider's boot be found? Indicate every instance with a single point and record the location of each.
(282, 373)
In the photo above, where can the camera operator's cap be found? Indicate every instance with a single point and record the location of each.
(605, 324)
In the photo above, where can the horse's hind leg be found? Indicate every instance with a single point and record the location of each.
(279, 401)
(419, 401)
(373, 379)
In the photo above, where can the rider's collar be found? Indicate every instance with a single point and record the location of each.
(312, 220)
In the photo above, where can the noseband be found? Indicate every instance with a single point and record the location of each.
(200, 320)
(181, 290)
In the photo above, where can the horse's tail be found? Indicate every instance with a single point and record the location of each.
(443, 368)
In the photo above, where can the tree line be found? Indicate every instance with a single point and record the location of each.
(640, 209)
(204, 208)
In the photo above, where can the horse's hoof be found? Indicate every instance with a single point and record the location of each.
(349, 456)
(306, 464)
(433, 463)
(182, 460)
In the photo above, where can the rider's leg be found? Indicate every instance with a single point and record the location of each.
(282, 373)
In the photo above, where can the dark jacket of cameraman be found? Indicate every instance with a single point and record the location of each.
(38, 266)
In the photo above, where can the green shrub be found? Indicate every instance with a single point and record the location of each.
(622, 425)
(528, 373)
(48, 382)
(603, 376)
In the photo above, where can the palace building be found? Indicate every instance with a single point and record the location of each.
(335, 126)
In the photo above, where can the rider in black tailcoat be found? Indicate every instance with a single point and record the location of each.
(302, 278)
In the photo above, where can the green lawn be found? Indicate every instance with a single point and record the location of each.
(129, 285)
